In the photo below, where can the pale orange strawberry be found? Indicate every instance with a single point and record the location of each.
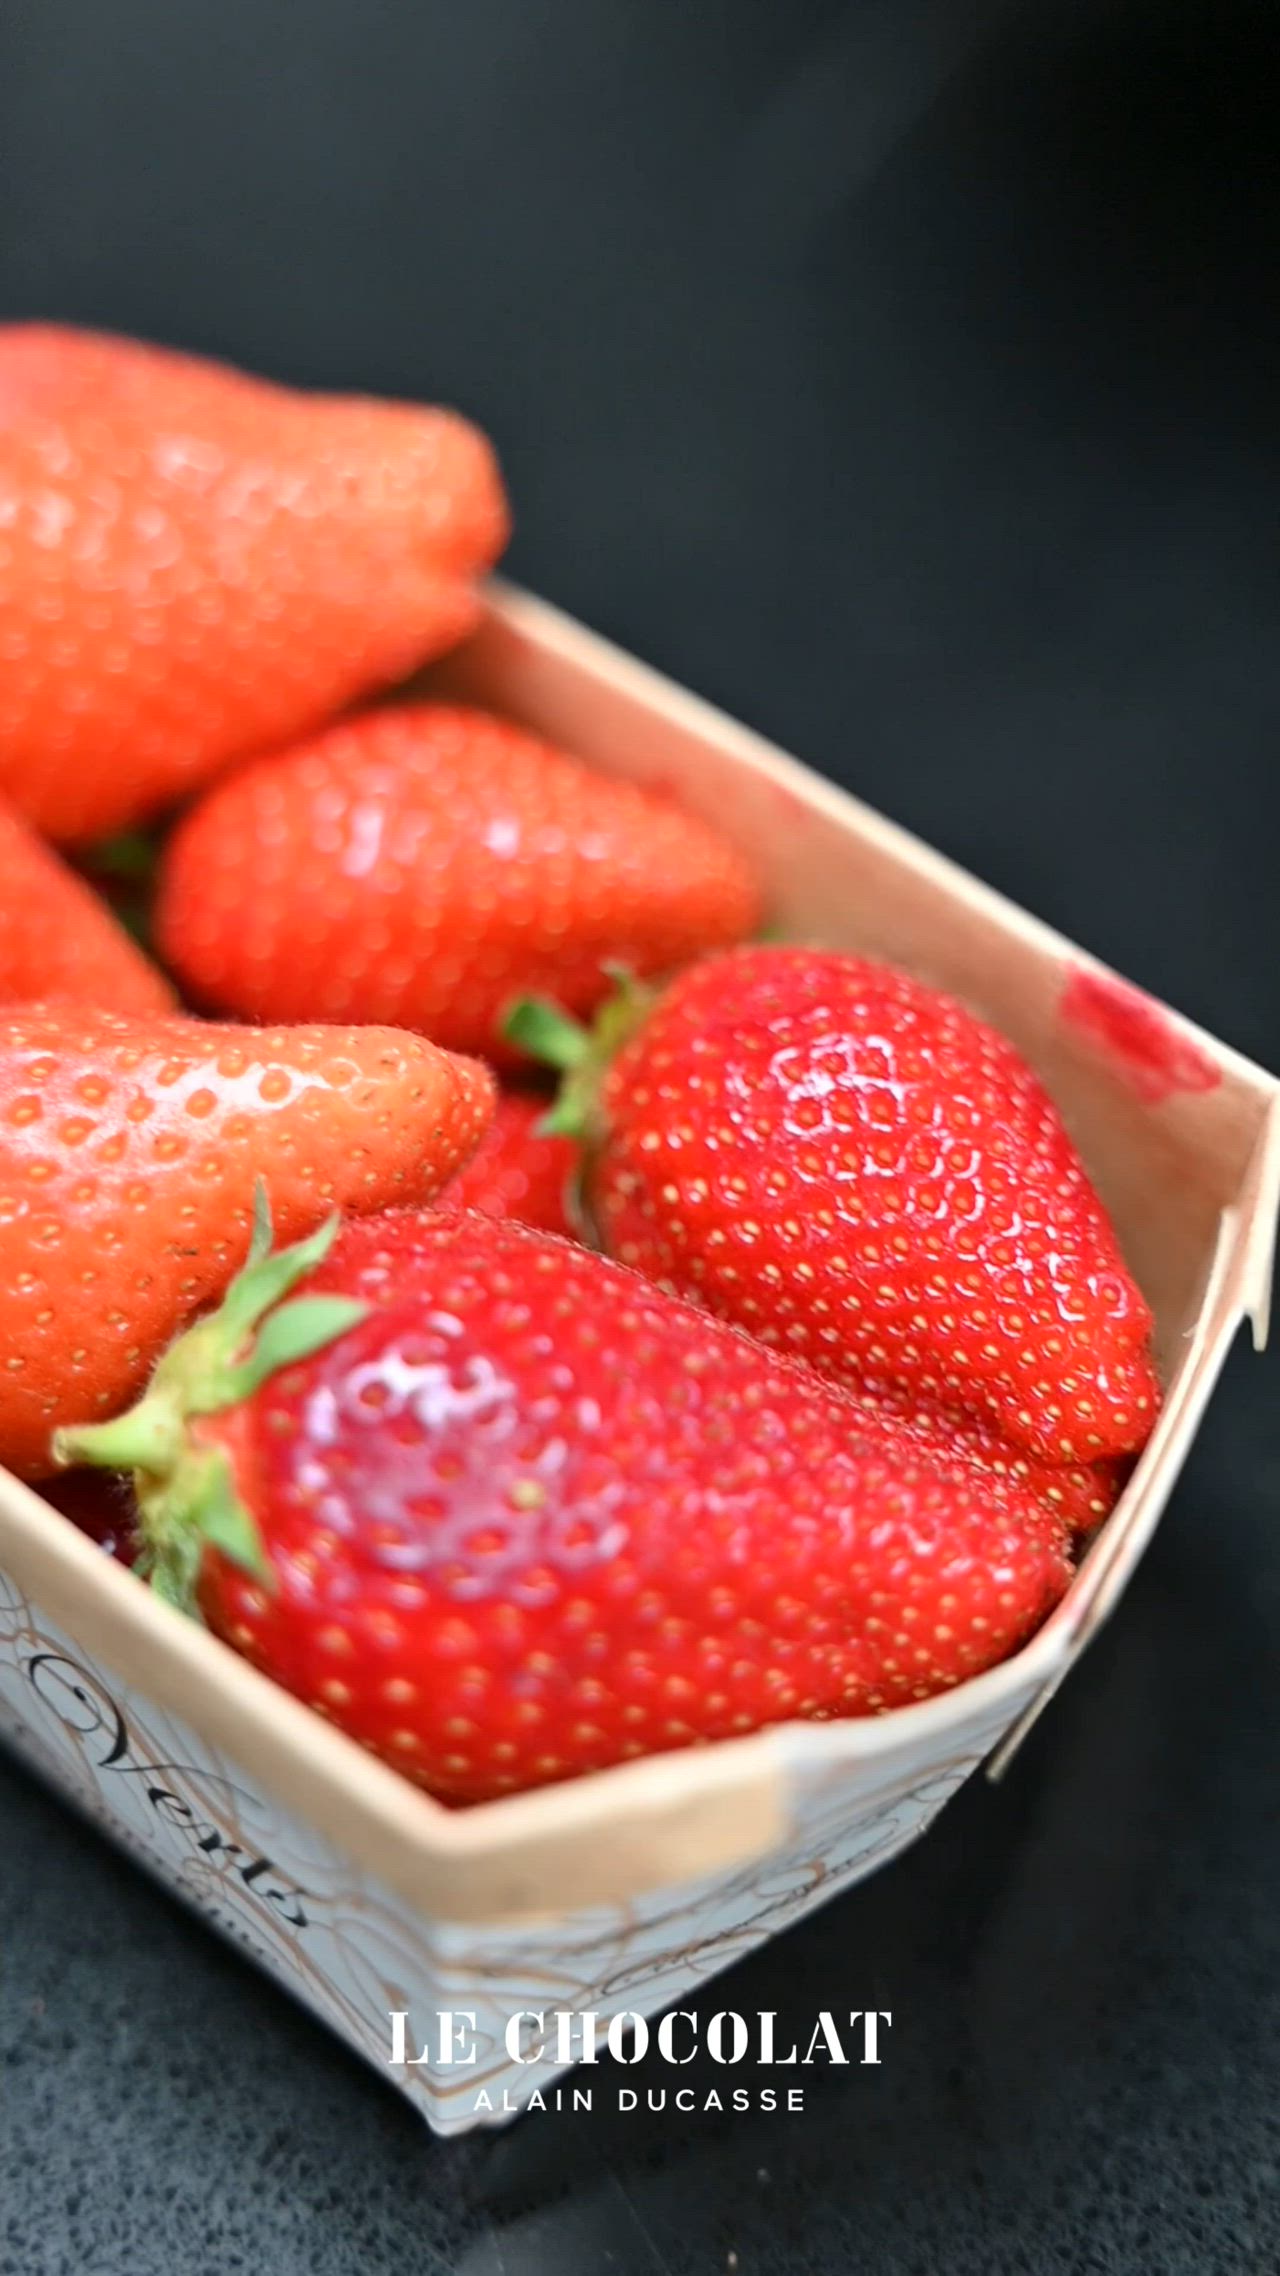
(196, 564)
(58, 939)
(130, 1152)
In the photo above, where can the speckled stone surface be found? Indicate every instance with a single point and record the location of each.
(904, 379)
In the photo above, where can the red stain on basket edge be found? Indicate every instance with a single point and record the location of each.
(1152, 1054)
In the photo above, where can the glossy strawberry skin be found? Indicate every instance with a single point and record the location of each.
(129, 1154)
(853, 1168)
(58, 939)
(532, 1517)
(198, 564)
(1081, 1494)
(425, 865)
(518, 1170)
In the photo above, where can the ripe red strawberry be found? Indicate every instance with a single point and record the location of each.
(518, 1170)
(554, 1518)
(129, 1154)
(1080, 1493)
(58, 939)
(425, 864)
(197, 564)
(100, 1504)
(854, 1168)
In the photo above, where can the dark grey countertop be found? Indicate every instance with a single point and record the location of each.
(1081, 1966)
(906, 380)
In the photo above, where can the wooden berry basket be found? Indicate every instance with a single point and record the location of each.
(625, 1890)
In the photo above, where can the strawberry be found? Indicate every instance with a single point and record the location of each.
(422, 865)
(99, 1504)
(58, 939)
(518, 1170)
(1080, 1493)
(197, 564)
(851, 1166)
(507, 1513)
(129, 1152)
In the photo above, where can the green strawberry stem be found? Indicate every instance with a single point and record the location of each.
(123, 869)
(580, 1055)
(131, 855)
(185, 1490)
(547, 1033)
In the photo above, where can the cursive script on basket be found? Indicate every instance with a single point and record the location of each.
(84, 1707)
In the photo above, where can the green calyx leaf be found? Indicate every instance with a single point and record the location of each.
(198, 1508)
(294, 1332)
(148, 1437)
(546, 1033)
(266, 1277)
(570, 1114)
(222, 1519)
(581, 1055)
(186, 1490)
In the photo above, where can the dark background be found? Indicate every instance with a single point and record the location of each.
(904, 377)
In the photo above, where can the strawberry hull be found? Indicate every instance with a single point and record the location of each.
(621, 1892)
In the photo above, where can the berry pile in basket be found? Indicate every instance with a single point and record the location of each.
(773, 1369)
